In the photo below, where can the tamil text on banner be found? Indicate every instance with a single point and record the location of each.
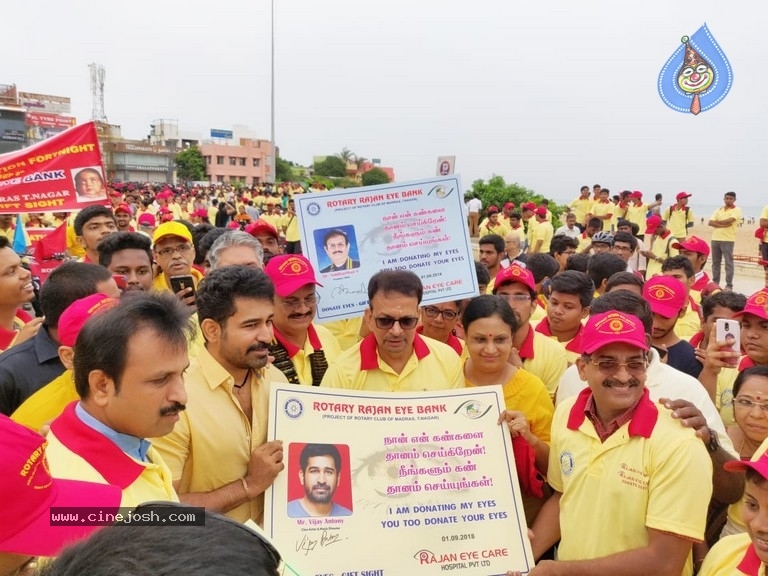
(397, 483)
(60, 174)
(351, 234)
(445, 165)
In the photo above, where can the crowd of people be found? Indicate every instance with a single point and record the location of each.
(145, 358)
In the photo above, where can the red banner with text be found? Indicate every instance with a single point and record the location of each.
(61, 174)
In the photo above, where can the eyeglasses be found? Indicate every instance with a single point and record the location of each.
(747, 404)
(295, 303)
(181, 249)
(433, 312)
(515, 297)
(610, 366)
(622, 248)
(405, 322)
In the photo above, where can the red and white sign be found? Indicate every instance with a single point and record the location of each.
(49, 120)
(61, 174)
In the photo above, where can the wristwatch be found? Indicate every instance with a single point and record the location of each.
(714, 441)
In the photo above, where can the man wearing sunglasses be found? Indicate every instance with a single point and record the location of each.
(393, 356)
(302, 350)
(610, 444)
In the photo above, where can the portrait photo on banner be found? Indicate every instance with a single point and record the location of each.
(319, 480)
(337, 249)
(89, 183)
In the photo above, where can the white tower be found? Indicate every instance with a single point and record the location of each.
(97, 92)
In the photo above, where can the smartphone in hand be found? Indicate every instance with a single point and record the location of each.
(728, 330)
(179, 283)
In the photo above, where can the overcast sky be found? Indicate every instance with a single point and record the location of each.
(549, 94)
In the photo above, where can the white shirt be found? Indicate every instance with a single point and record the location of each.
(571, 233)
(475, 205)
(662, 381)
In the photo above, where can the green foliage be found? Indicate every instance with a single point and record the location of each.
(331, 166)
(345, 182)
(190, 165)
(375, 176)
(496, 192)
(283, 171)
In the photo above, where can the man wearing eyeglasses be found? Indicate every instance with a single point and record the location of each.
(438, 321)
(533, 351)
(174, 254)
(610, 444)
(302, 349)
(394, 357)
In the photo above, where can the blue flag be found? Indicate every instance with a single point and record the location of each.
(19, 238)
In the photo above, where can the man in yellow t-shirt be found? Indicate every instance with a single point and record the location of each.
(393, 357)
(660, 245)
(218, 452)
(174, 253)
(679, 217)
(610, 444)
(542, 234)
(291, 230)
(103, 437)
(725, 221)
(603, 209)
(581, 206)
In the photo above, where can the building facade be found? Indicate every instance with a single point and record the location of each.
(247, 163)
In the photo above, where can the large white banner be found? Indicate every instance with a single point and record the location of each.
(351, 234)
(392, 484)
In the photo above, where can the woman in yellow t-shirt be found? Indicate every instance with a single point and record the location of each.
(489, 324)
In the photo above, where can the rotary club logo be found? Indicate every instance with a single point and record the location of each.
(761, 298)
(293, 267)
(615, 323)
(662, 293)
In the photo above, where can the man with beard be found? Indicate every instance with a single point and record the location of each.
(491, 251)
(129, 368)
(612, 439)
(218, 452)
(123, 218)
(128, 254)
(302, 350)
(319, 475)
(267, 236)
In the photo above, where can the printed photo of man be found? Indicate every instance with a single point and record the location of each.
(319, 474)
(336, 245)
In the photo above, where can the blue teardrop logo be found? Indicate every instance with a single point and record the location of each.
(698, 76)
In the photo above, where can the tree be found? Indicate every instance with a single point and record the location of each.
(346, 155)
(375, 176)
(496, 192)
(190, 164)
(283, 172)
(331, 166)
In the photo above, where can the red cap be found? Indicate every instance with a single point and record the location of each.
(262, 227)
(610, 328)
(146, 219)
(29, 492)
(694, 244)
(666, 295)
(122, 208)
(541, 211)
(509, 206)
(529, 206)
(636, 194)
(200, 213)
(756, 305)
(652, 223)
(233, 225)
(115, 194)
(759, 465)
(493, 210)
(514, 273)
(79, 312)
(682, 195)
(289, 272)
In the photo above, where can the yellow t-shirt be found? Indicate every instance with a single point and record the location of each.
(726, 234)
(47, 403)
(431, 366)
(602, 209)
(300, 356)
(661, 247)
(161, 284)
(501, 229)
(613, 491)
(732, 555)
(347, 331)
(764, 216)
(636, 215)
(292, 228)
(677, 220)
(543, 232)
(211, 444)
(688, 325)
(73, 246)
(724, 394)
(77, 452)
(544, 358)
(581, 207)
